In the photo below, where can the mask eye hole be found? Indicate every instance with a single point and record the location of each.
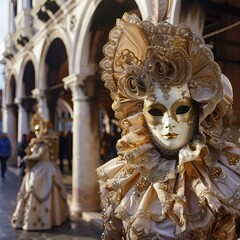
(182, 110)
(155, 112)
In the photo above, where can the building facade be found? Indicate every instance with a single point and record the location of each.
(53, 49)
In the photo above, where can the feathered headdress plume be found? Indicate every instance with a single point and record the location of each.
(160, 10)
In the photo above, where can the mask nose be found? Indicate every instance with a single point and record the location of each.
(169, 122)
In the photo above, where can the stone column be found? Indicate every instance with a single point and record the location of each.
(27, 4)
(27, 18)
(23, 121)
(11, 23)
(19, 6)
(9, 126)
(85, 197)
(40, 95)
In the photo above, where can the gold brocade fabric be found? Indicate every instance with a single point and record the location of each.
(168, 197)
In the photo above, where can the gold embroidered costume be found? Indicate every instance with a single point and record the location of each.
(42, 201)
(176, 185)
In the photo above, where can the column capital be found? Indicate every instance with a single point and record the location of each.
(25, 103)
(17, 100)
(82, 87)
(73, 80)
(38, 92)
(8, 106)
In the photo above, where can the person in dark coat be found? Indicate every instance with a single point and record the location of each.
(5, 152)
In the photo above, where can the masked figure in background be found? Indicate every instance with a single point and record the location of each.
(176, 175)
(42, 198)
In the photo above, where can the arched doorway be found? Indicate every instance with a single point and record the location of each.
(57, 97)
(27, 104)
(59, 100)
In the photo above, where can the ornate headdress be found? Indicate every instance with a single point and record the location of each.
(39, 123)
(43, 126)
(141, 53)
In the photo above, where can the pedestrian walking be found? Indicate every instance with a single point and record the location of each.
(5, 152)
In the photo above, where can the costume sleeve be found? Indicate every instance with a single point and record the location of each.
(37, 154)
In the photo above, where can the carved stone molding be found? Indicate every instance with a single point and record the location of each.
(82, 87)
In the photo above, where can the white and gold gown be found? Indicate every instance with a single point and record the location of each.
(41, 200)
(179, 198)
(148, 192)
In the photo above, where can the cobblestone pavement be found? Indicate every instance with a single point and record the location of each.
(74, 229)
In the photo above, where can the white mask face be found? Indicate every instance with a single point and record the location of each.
(172, 120)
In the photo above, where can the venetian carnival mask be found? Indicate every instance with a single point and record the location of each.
(171, 121)
(39, 125)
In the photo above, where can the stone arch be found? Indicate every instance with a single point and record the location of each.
(28, 64)
(66, 106)
(11, 89)
(25, 100)
(81, 42)
(83, 37)
(65, 114)
(54, 66)
(55, 33)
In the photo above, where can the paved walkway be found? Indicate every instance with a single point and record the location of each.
(74, 229)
